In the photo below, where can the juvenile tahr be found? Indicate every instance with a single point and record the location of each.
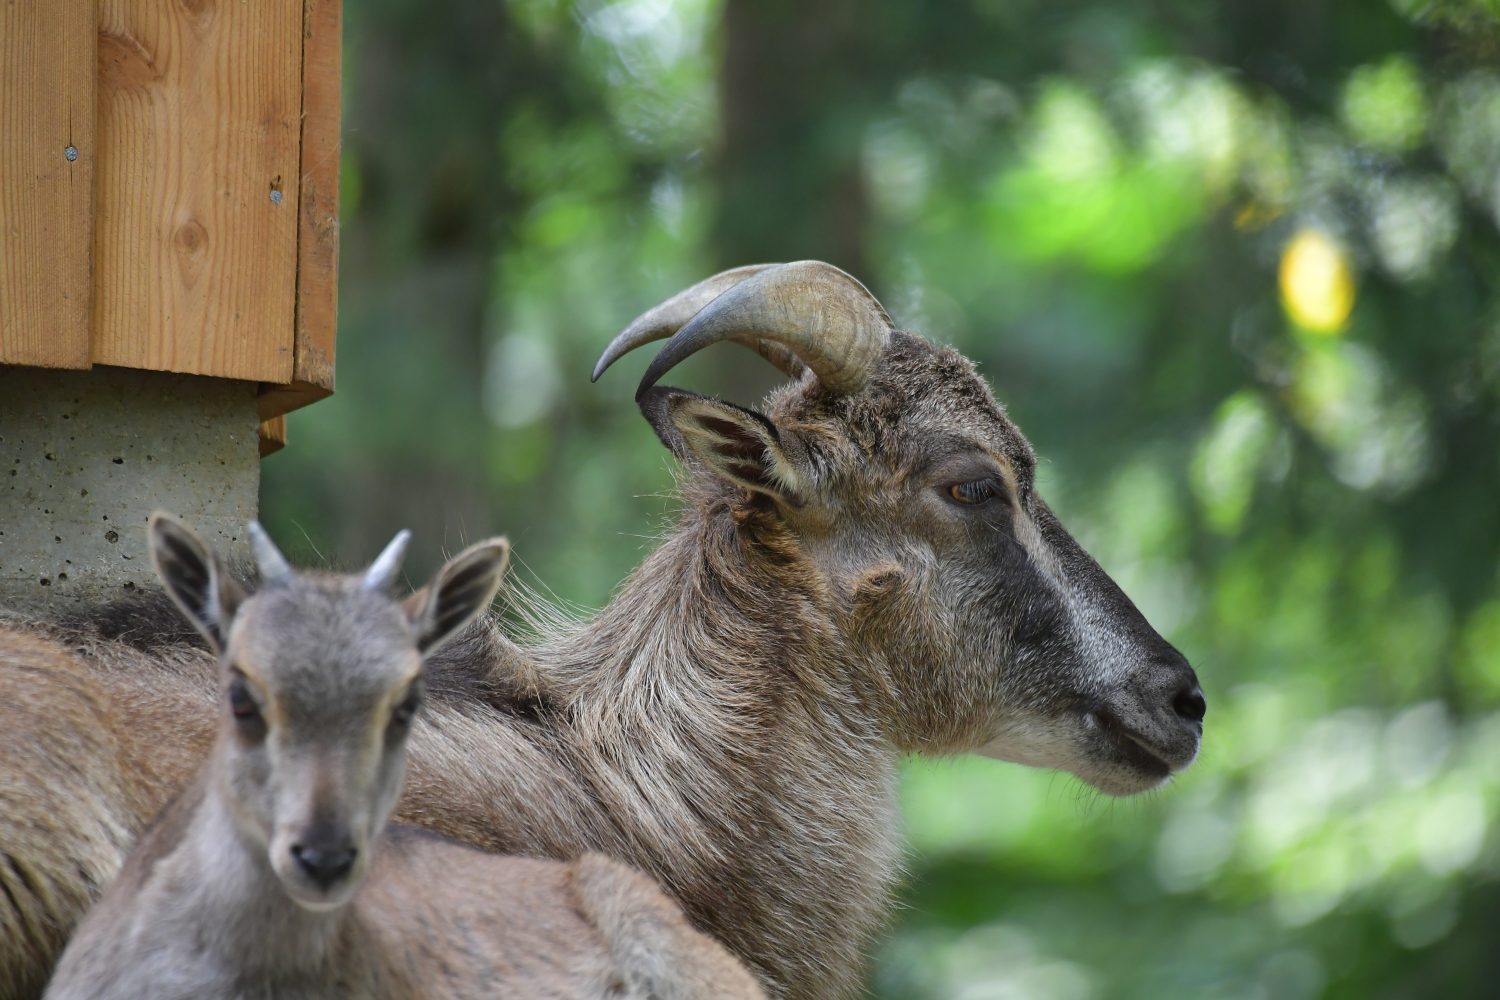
(274, 874)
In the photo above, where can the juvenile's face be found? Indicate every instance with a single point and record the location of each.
(984, 626)
(321, 682)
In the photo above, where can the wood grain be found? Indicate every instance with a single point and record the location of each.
(272, 435)
(197, 181)
(46, 199)
(317, 215)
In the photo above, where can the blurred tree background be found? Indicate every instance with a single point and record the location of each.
(1232, 266)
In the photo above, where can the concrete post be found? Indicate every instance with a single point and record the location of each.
(86, 456)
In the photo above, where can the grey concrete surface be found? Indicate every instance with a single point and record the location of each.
(86, 456)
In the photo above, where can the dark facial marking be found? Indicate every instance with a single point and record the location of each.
(405, 711)
(245, 709)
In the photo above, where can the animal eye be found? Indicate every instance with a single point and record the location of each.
(403, 713)
(975, 491)
(241, 703)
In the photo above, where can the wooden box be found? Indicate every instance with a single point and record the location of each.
(170, 180)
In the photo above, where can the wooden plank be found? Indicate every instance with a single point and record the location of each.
(196, 233)
(272, 435)
(47, 156)
(317, 216)
(274, 400)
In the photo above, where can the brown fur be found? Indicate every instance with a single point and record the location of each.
(75, 789)
(732, 721)
(212, 903)
(519, 928)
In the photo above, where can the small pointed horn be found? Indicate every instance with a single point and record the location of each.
(382, 572)
(660, 322)
(825, 317)
(273, 567)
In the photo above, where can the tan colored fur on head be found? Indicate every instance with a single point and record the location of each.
(879, 581)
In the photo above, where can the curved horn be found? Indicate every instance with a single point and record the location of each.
(663, 320)
(382, 572)
(811, 311)
(272, 565)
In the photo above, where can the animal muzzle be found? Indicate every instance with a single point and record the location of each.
(1152, 723)
(325, 865)
(320, 866)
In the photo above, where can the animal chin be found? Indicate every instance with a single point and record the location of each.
(1135, 765)
(318, 902)
(313, 898)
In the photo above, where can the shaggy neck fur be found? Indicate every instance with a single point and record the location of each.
(709, 716)
(710, 726)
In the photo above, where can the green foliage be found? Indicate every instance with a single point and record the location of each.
(1097, 203)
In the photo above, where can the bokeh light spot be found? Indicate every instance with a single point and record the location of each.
(1230, 458)
(1383, 105)
(1317, 284)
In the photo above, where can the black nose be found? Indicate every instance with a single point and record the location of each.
(1189, 704)
(324, 865)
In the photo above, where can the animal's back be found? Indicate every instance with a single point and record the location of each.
(474, 925)
(61, 835)
(92, 745)
(660, 954)
(502, 926)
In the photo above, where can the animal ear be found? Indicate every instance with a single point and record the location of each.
(194, 577)
(737, 444)
(462, 589)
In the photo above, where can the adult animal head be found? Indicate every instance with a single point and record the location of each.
(972, 618)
